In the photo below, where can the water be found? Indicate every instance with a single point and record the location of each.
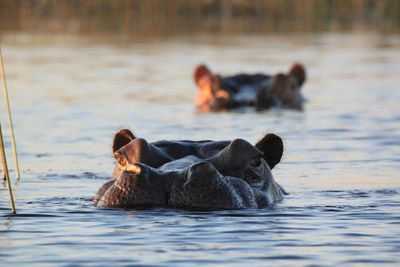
(341, 166)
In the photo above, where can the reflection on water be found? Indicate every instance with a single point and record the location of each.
(341, 165)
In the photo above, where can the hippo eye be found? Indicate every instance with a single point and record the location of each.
(255, 162)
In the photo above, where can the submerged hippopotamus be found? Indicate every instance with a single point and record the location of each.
(192, 174)
(221, 93)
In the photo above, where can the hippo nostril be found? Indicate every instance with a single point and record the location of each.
(201, 167)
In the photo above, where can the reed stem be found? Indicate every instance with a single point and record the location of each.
(3, 164)
(7, 103)
(5, 171)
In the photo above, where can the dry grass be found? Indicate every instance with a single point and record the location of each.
(166, 17)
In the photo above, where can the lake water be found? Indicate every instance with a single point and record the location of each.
(341, 165)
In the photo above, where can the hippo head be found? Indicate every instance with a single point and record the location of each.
(287, 87)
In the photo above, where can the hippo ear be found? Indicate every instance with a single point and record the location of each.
(272, 147)
(121, 138)
(199, 72)
(299, 72)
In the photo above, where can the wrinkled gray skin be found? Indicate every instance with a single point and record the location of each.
(264, 188)
(233, 175)
(199, 185)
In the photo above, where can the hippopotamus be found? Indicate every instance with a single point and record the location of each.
(224, 175)
(262, 91)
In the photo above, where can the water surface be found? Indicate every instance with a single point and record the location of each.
(341, 164)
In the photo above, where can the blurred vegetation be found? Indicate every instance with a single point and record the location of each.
(163, 17)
